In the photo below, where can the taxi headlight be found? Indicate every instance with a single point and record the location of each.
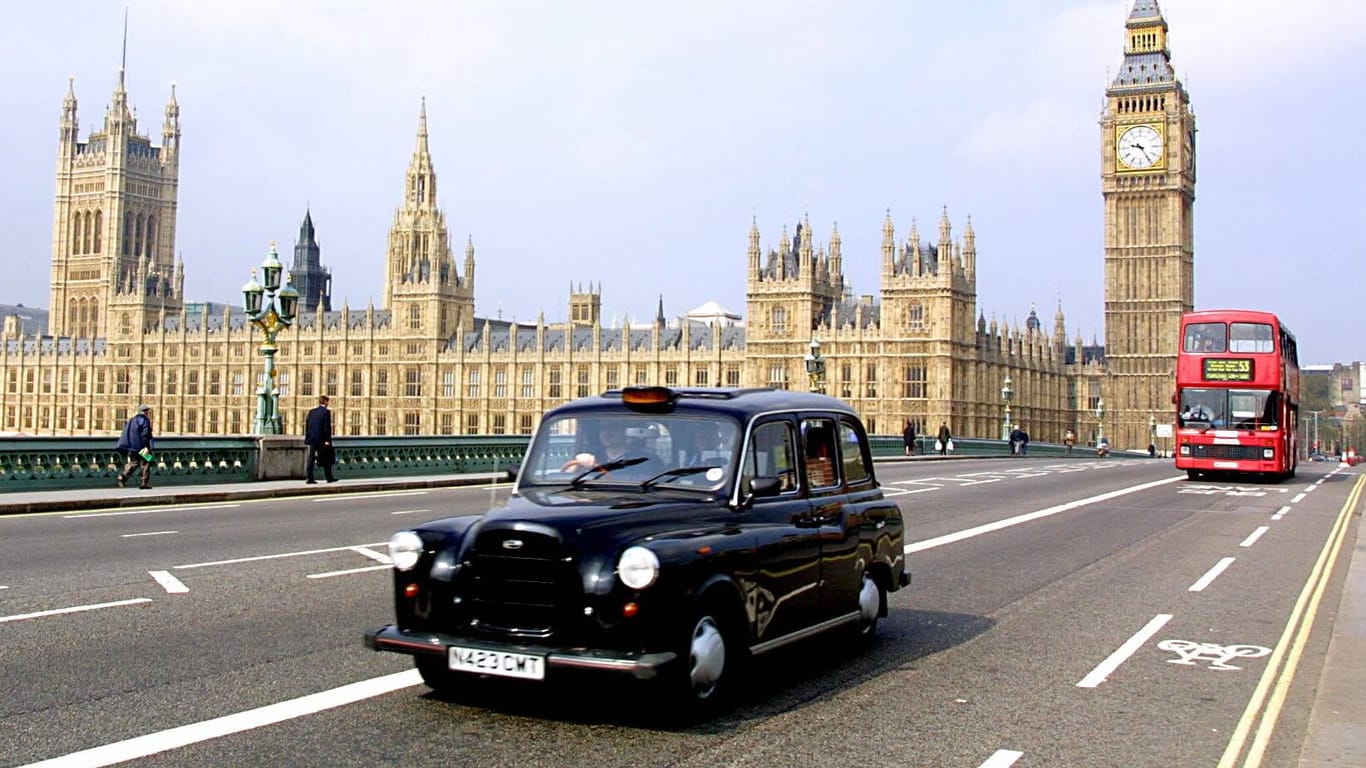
(638, 567)
(405, 547)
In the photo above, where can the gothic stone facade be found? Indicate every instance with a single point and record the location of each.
(424, 363)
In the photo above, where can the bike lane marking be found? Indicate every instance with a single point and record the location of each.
(1210, 575)
(1004, 758)
(1257, 534)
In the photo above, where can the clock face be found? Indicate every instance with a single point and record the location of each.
(1140, 147)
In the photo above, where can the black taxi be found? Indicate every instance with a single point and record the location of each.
(666, 534)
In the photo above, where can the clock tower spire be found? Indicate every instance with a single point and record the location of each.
(1148, 185)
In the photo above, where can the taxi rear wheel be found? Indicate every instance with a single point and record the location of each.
(871, 598)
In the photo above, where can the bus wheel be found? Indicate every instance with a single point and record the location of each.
(1193, 474)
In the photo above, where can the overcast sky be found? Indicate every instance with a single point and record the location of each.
(630, 144)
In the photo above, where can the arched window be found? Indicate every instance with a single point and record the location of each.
(75, 234)
(128, 233)
(151, 235)
(137, 237)
(779, 319)
(86, 221)
(99, 224)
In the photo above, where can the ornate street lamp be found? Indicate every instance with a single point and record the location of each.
(271, 309)
(1007, 394)
(815, 366)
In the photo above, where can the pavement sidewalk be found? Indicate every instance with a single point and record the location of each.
(1336, 736)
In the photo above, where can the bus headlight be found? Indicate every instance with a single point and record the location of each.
(1185, 449)
(638, 567)
(1268, 453)
(405, 547)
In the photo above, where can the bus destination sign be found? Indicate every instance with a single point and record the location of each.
(1228, 369)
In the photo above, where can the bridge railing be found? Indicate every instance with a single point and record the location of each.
(60, 463)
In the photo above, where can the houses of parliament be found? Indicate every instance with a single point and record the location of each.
(121, 332)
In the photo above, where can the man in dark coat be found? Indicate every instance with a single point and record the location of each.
(136, 446)
(908, 438)
(318, 438)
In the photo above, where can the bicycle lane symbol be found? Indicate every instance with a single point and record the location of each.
(1192, 653)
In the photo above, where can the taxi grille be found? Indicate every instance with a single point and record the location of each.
(1248, 452)
(521, 582)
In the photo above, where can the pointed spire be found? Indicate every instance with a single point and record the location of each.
(659, 316)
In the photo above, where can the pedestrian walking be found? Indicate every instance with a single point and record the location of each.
(1024, 440)
(908, 438)
(1069, 440)
(318, 438)
(1016, 441)
(944, 440)
(136, 446)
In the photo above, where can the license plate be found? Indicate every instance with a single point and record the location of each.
(500, 663)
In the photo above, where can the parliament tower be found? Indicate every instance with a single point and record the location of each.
(114, 270)
(1148, 185)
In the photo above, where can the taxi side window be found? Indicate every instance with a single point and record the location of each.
(852, 455)
(771, 454)
(819, 452)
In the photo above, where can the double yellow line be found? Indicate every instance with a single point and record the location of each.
(1269, 698)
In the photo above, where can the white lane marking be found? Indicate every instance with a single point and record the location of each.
(1105, 668)
(348, 571)
(4, 587)
(148, 511)
(1280, 513)
(409, 511)
(149, 533)
(387, 495)
(1210, 575)
(273, 557)
(1004, 758)
(1311, 488)
(174, 738)
(75, 609)
(373, 555)
(939, 541)
(1298, 498)
(171, 584)
(1257, 534)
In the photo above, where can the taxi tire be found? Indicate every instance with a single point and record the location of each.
(871, 603)
(438, 676)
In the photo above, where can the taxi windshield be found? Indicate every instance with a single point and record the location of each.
(648, 450)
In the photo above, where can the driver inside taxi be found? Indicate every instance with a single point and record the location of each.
(611, 438)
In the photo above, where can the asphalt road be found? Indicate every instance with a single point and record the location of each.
(1063, 613)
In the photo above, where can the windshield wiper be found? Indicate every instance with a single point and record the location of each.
(676, 472)
(604, 468)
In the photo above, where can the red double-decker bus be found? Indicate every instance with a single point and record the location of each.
(1237, 394)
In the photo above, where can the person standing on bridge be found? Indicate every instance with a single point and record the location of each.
(136, 446)
(908, 438)
(318, 438)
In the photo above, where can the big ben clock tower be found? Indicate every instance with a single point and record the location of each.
(1148, 184)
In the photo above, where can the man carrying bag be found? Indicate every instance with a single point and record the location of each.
(136, 446)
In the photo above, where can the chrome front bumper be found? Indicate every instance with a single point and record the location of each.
(641, 666)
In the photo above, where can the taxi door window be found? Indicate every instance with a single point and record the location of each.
(771, 453)
(819, 452)
(851, 454)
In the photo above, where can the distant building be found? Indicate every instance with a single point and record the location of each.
(919, 349)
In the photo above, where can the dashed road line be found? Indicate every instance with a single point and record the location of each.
(1298, 498)
(1004, 758)
(149, 533)
(74, 609)
(1280, 513)
(409, 511)
(1111, 663)
(1257, 534)
(171, 584)
(1210, 575)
